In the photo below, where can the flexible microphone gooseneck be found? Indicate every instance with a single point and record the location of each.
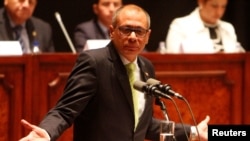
(192, 114)
(153, 91)
(165, 88)
(160, 103)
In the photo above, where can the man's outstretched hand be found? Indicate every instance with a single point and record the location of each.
(203, 129)
(36, 133)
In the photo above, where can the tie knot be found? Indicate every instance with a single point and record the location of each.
(17, 29)
(212, 31)
(130, 67)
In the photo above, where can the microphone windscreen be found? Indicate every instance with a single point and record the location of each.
(58, 17)
(152, 81)
(139, 85)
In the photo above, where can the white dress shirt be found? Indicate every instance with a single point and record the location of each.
(141, 96)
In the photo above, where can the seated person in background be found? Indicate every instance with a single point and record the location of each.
(17, 23)
(96, 28)
(203, 31)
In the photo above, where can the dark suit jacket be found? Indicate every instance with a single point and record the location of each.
(87, 30)
(43, 32)
(98, 100)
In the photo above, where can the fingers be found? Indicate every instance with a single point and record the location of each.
(27, 138)
(207, 119)
(27, 125)
(39, 131)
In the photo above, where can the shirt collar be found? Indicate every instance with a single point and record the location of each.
(125, 61)
(12, 24)
(102, 26)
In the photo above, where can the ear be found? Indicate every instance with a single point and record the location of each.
(5, 2)
(111, 31)
(200, 3)
(148, 35)
(95, 8)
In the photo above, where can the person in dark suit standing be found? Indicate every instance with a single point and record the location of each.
(34, 34)
(97, 98)
(96, 28)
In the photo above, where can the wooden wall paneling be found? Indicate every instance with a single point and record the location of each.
(216, 79)
(13, 94)
(214, 84)
(246, 88)
(53, 71)
(208, 93)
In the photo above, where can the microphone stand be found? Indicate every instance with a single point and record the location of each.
(190, 110)
(153, 91)
(178, 111)
(59, 20)
(160, 103)
(165, 88)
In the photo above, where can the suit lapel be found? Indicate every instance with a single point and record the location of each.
(123, 81)
(100, 31)
(145, 75)
(121, 75)
(7, 34)
(31, 32)
(144, 71)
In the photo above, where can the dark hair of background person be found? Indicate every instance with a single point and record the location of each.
(162, 12)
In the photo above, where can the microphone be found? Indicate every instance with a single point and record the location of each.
(59, 20)
(165, 88)
(149, 89)
(153, 90)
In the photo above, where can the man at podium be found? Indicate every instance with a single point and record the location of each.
(98, 99)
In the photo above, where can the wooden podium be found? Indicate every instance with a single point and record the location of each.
(213, 84)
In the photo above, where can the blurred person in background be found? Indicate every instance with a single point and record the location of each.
(17, 23)
(203, 31)
(96, 28)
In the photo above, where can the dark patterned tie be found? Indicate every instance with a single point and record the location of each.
(215, 37)
(17, 30)
(212, 31)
